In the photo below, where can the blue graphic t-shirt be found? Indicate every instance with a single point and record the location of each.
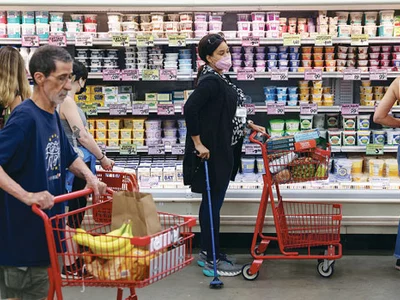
(35, 152)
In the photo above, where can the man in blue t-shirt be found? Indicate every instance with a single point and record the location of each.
(34, 156)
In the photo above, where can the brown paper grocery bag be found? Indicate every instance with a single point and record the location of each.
(137, 207)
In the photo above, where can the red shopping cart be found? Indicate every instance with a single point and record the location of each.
(135, 262)
(298, 225)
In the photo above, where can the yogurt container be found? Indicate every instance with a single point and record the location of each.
(56, 16)
(378, 137)
(248, 165)
(363, 137)
(332, 120)
(306, 122)
(335, 138)
(363, 122)
(13, 17)
(277, 124)
(3, 30)
(386, 16)
(28, 29)
(77, 18)
(28, 17)
(152, 124)
(349, 138)
(13, 30)
(292, 124)
(393, 137)
(349, 122)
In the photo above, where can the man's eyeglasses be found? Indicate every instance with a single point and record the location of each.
(63, 79)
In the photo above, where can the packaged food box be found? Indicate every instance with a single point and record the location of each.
(124, 98)
(91, 124)
(101, 124)
(138, 124)
(113, 134)
(113, 142)
(164, 97)
(151, 96)
(110, 90)
(114, 124)
(97, 97)
(95, 89)
(138, 134)
(125, 89)
(126, 133)
(101, 133)
(81, 97)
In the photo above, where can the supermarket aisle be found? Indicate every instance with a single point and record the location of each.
(355, 278)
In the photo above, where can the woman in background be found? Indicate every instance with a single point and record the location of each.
(382, 116)
(74, 122)
(14, 84)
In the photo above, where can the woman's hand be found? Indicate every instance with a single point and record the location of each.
(257, 128)
(107, 164)
(202, 151)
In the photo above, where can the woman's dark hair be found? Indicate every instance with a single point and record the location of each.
(207, 45)
(80, 71)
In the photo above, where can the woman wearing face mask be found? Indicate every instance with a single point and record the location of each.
(74, 123)
(215, 119)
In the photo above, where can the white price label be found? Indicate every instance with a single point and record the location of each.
(315, 74)
(359, 40)
(118, 109)
(276, 108)
(378, 74)
(279, 75)
(156, 150)
(178, 149)
(350, 109)
(140, 109)
(308, 109)
(323, 40)
(252, 149)
(291, 40)
(352, 74)
(83, 39)
(251, 109)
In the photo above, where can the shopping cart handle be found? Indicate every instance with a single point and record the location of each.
(62, 198)
(254, 140)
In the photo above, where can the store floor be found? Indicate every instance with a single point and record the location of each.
(355, 278)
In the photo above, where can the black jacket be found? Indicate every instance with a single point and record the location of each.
(209, 112)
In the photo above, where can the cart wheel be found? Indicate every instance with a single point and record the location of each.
(246, 275)
(325, 273)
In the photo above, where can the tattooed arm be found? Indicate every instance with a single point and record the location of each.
(69, 112)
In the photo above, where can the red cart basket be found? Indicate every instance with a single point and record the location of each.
(298, 224)
(133, 262)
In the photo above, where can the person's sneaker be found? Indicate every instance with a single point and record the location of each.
(75, 271)
(201, 262)
(397, 266)
(224, 269)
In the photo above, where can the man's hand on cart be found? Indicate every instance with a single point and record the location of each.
(44, 199)
(107, 163)
(98, 187)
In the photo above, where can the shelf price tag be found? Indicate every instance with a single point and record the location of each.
(127, 149)
(374, 149)
(252, 149)
(150, 75)
(323, 40)
(178, 149)
(30, 41)
(245, 75)
(169, 74)
(83, 39)
(250, 41)
(176, 40)
(156, 150)
(359, 40)
(279, 75)
(291, 40)
(90, 109)
(276, 108)
(378, 74)
(146, 40)
(251, 109)
(352, 74)
(308, 109)
(165, 109)
(118, 109)
(140, 109)
(315, 74)
(59, 40)
(130, 75)
(111, 75)
(350, 109)
(120, 40)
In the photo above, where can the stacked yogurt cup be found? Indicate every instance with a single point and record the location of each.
(74, 26)
(200, 24)
(185, 61)
(142, 62)
(170, 132)
(273, 24)
(171, 26)
(130, 24)
(153, 132)
(114, 23)
(258, 24)
(130, 58)
(156, 58)
(171, 61)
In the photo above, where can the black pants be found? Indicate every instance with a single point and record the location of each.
(217, 199)
(75, 220)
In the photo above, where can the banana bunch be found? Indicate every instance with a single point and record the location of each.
(112, 244)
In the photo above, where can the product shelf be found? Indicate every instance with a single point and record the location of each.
(236, 41)
(356, 149)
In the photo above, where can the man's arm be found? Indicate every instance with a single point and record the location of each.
(79, 169)
(44, 199)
